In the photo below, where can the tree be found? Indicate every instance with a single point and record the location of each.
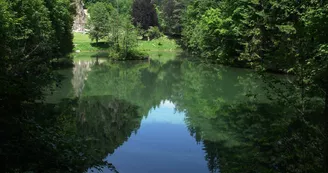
(62, 20)
(123, 37)
(172, 13)
(29, 43)
(280, 36)
(144, 14)
(314, 71)
(128, 37)
(5, 29)
(153, 33)
(24, 53)
(98, 23)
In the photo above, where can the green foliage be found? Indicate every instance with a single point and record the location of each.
(35, 38)
(98, 23)
(6, 26)
(285, 36)
(123, 38)
(61, 13)
(153, 33)
(170, 14)
(254, 33)
(25, 61)
(211, 34)
(127, 38)
(91, 2)
(108, 23)
(162, 49)
(82, 43)
(123, 6)
(226, 109)
(144, 14)
(280, 36)
(265, 35)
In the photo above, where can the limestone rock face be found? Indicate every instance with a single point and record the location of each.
(81, 17)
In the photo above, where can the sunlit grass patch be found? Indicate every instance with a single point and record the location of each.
(83, 43)
(160, 44)
(162, 49)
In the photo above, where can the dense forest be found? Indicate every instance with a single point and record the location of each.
(36, 39)
(269, 37)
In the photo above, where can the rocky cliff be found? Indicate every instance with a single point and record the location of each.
(80, 18)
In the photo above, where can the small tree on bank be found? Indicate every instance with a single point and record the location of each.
(98, 23)
(123, 36)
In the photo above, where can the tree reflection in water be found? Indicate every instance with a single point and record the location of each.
(242, 127)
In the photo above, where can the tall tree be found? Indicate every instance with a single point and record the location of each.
(27, 33)
(172, 13)
(144, 14)
(281, 36)
(98, 23)
(32, 34)
(61, 16)
(124, 6)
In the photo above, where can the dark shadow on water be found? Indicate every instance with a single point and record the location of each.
(71, 136)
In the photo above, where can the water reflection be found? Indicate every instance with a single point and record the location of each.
(166, 113)
(183, 116)
(81, 70)
(106, 122)
(162, 144)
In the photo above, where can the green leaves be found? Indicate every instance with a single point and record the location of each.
(62, 20)
(144, 14)
(32, 34)
(171, 13)
(99, 21)
(287, 29)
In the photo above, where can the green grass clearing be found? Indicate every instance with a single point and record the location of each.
(83, 43)
(160, 44)
(162, 49)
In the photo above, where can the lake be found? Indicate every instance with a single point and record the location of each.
(180, 116)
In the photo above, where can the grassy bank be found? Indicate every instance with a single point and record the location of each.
(83, 43)
(161, 48)
(162, 44)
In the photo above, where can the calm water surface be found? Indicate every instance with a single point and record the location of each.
(175, 116)
(162, 144)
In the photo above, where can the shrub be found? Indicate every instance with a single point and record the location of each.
(153, 33)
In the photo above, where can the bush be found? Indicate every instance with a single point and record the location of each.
(112, 54)
(136, 55)
(153, 33)
(130, 55)
(64, 62)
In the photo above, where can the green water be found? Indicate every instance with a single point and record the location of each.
(179, 116)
